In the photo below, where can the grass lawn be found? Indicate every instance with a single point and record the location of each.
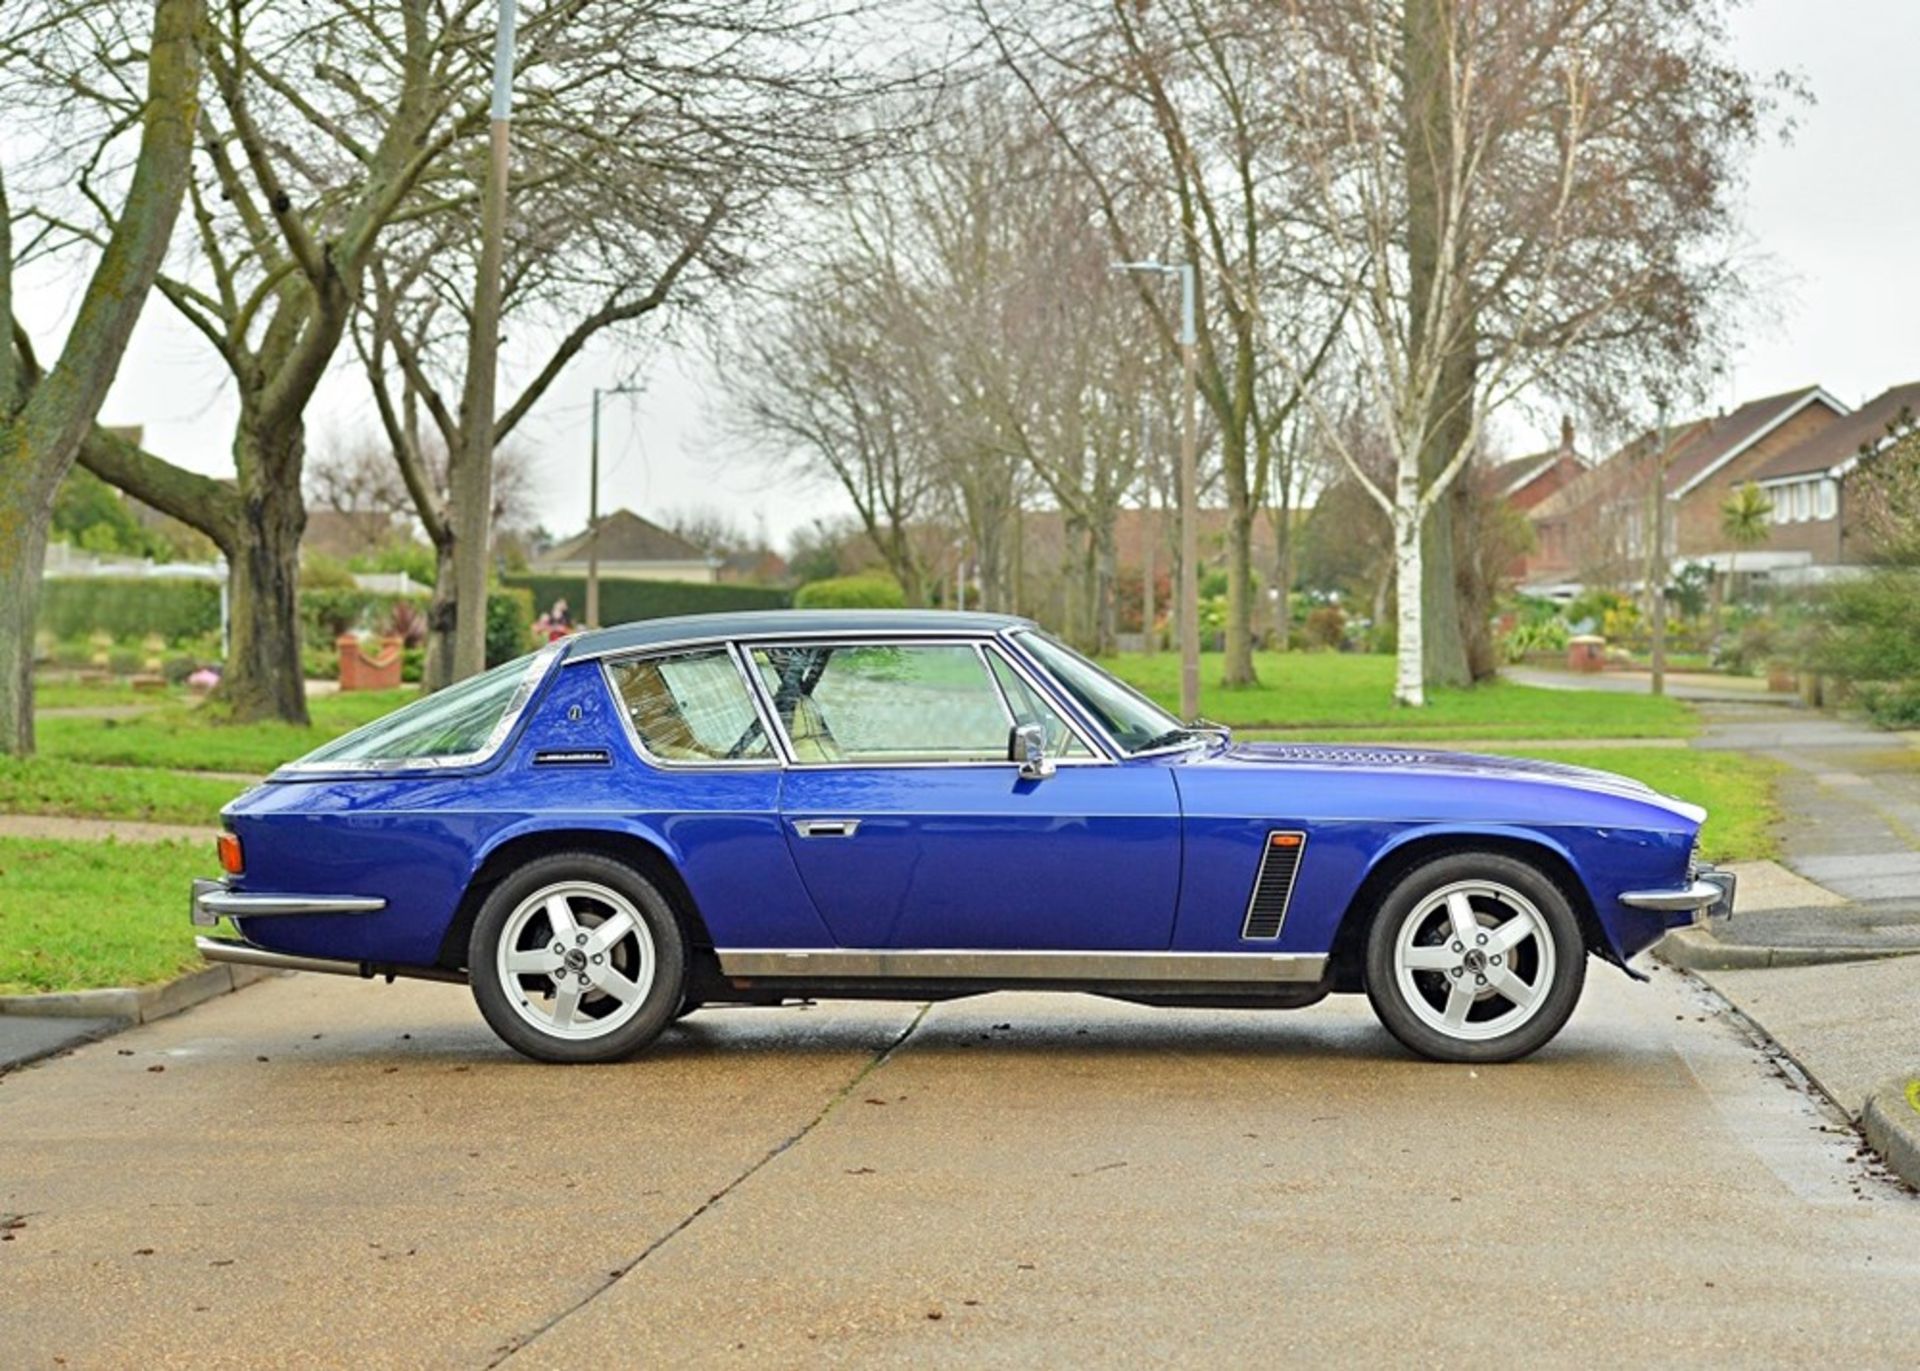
(1349, 696)
(53, 785)
(190, 738)
(75, 915)
(1738, 791)
(75, 695)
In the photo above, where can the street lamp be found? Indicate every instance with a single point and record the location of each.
(1188, 611)
(593, 506)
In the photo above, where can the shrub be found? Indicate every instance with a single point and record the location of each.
(869, 590)
(321, 572)
(1534, 635)
(1326, 626)
(1869, 636)
(174, 608)
(177, 668)
(124, 661)
(625, 601)
(509, 623)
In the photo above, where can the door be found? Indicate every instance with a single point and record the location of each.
(912, 830)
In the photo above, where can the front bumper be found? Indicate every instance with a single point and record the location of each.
(1709, 895)
(216, 900)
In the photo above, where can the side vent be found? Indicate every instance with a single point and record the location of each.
(1273, 887)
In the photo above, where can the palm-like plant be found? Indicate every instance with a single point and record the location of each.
(1746, 520)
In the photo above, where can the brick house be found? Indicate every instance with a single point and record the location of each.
(1807, 484)
(1525, 483)
(1595, 527)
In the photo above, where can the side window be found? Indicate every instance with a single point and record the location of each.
(692, 708)
(1030, 707)
(874, 702)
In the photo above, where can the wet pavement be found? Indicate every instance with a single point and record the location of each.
(316, 1171)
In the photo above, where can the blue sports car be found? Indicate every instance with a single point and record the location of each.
(750, 808)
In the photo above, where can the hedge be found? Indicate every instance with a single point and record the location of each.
(866, 591)
(80, 606)
(622, 601)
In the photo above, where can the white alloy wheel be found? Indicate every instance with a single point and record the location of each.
(575, 960)
(1474, 960)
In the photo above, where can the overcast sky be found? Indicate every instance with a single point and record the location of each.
(1836, 213)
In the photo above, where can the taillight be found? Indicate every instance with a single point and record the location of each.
(230, 860)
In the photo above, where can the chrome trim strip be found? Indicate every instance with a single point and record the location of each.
(523, 693)
(790, 635)
(212, 901)
(1698, 895)
(1236, 968)
(244, 954)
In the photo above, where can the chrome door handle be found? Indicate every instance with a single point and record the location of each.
(826, 828)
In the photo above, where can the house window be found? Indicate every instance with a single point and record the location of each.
(1827, 499)
(1782, 498)
(1802, 502)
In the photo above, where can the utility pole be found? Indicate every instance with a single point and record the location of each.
(1187, 610)
(473, 495)
(593, 507)
(1657, 557)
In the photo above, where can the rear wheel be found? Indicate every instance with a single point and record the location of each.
(576, 957)
(1475, 957)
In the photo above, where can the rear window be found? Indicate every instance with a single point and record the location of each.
(463, 723)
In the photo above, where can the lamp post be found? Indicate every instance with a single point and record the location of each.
(1187, 612)
(593, 506)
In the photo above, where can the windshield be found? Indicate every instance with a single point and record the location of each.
(1136, 723)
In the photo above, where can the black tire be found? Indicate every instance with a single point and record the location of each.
(1558, 972)
(658, 1001)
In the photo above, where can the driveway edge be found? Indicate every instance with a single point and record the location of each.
(136, 1004)
(1695, 949)
(1891, 1121)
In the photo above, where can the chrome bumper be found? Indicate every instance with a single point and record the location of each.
(1710, 895)
(214, 901)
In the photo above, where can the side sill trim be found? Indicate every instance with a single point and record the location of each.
(1238, 968)
(213, 901)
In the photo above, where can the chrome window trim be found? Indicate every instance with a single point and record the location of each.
(850, 635)
(976, 641)
(536, 673)
(608, 664)
(1012, 638)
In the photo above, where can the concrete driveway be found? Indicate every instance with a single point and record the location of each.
(321, 1172)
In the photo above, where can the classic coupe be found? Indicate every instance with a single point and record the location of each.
(640, 821)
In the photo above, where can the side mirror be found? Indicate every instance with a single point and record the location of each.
(1027, 745)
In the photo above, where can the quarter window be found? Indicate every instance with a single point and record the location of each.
(692, 708)
(1030, 707)
(459, 724)
(884, 702)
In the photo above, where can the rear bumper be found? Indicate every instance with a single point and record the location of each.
(215, 900)
(1708, 895)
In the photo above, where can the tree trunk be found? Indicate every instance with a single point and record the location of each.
(1238, 667)
(1409, 686)
(45, 419)
(263, 677)
(1429, 121)
(24, 518)
(436, 672)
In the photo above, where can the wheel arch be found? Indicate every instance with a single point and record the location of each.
(1416, 848)
(645, 852)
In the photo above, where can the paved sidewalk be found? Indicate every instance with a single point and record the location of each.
(1681, 685)
(120, 830)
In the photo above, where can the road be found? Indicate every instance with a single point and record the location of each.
(322, 1172)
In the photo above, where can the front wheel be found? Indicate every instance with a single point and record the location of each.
(577, 958)
(1475, 957)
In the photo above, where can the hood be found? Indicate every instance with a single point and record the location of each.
(1362, 757)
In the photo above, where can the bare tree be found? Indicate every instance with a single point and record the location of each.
(1176, 117)
(1532, 196)
(46, 411)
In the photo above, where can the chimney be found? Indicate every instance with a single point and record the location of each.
(1566, 435)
